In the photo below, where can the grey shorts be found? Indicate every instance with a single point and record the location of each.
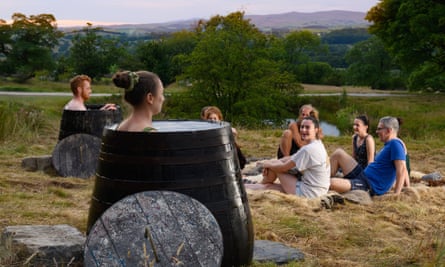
(298, 189)
(358, 180)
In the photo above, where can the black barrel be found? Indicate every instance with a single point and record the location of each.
(195, 158)
(92, 121)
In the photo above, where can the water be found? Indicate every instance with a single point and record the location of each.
(327, 128)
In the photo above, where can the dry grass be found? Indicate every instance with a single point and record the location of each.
(408, 231)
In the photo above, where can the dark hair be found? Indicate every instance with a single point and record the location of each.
(364, 119)
(137, 85)
(314, 121)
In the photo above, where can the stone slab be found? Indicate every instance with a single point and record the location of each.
(279, 253)
(44, 245)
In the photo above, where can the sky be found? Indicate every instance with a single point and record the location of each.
(105, 12)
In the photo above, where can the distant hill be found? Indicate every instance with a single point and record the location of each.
(323, 19)
(334, 19)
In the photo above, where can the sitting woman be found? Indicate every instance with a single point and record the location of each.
(311, 160)
(213, 113)
(363, 144)
(145, 93)
(291, 140)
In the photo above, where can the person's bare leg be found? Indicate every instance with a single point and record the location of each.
(255, 186)
(288, 182)
(341, 159)
(340, 185)
(286, 142)
(276, 187)
(269, 176)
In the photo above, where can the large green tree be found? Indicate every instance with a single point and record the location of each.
(26, 44)
(162, 56)
(369, 64)
(414, 33)
(232, 67)
(94, 54)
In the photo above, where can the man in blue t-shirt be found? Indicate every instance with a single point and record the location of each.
(379, 176)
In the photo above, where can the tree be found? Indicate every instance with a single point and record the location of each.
(369, 64)
(232, 68)
(93, 54)
(299, 46)
(26, 44)
(163, 56)
(413, 32)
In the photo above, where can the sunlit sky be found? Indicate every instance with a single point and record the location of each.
(103, 12)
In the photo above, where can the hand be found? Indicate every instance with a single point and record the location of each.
(109, 106)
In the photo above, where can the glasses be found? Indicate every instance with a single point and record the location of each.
(381, 128)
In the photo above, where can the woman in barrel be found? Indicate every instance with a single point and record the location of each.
(311, 160)
(213, 113)
(145, 93)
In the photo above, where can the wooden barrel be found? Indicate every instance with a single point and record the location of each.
(155, 228)
(195, 158)
(92, 121)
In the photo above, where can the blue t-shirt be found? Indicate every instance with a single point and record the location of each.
(381, 173)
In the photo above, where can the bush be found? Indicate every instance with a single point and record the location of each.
(20, 121)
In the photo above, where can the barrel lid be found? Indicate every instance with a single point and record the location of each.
(155, 228)
(77, 155)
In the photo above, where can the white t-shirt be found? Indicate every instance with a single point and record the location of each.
(313, 162)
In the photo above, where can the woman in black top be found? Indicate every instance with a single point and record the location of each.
(363, 145)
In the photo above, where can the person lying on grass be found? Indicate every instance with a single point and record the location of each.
(388, 168)
(311, 161)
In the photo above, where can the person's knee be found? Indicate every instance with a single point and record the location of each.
(287, 134)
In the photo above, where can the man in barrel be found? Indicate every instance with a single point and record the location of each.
(81, 88)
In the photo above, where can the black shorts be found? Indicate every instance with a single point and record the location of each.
(358, 179)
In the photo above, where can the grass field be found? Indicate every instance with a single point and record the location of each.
(407, 231)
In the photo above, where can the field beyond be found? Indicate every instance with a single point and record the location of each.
(408, 230)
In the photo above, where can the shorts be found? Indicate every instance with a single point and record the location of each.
(358, 180)
(298, 189)
(296, 173)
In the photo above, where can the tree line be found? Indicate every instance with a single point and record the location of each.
(228, 62)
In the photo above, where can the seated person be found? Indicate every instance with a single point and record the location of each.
(363, 145)
(81, 88)
(291, 140)
(145, 93)
(311, 160)
(388, 168)
(214, 114)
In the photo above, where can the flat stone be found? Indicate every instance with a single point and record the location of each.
(44, 245)
(358, 196)
(270, 251)
(37, 163)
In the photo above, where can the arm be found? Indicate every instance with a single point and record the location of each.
(109, 106)
(294, 128)
(400, 175)
(353, 150)
(370, 148)
(278, 166)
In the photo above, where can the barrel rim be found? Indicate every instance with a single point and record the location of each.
(112, 128)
